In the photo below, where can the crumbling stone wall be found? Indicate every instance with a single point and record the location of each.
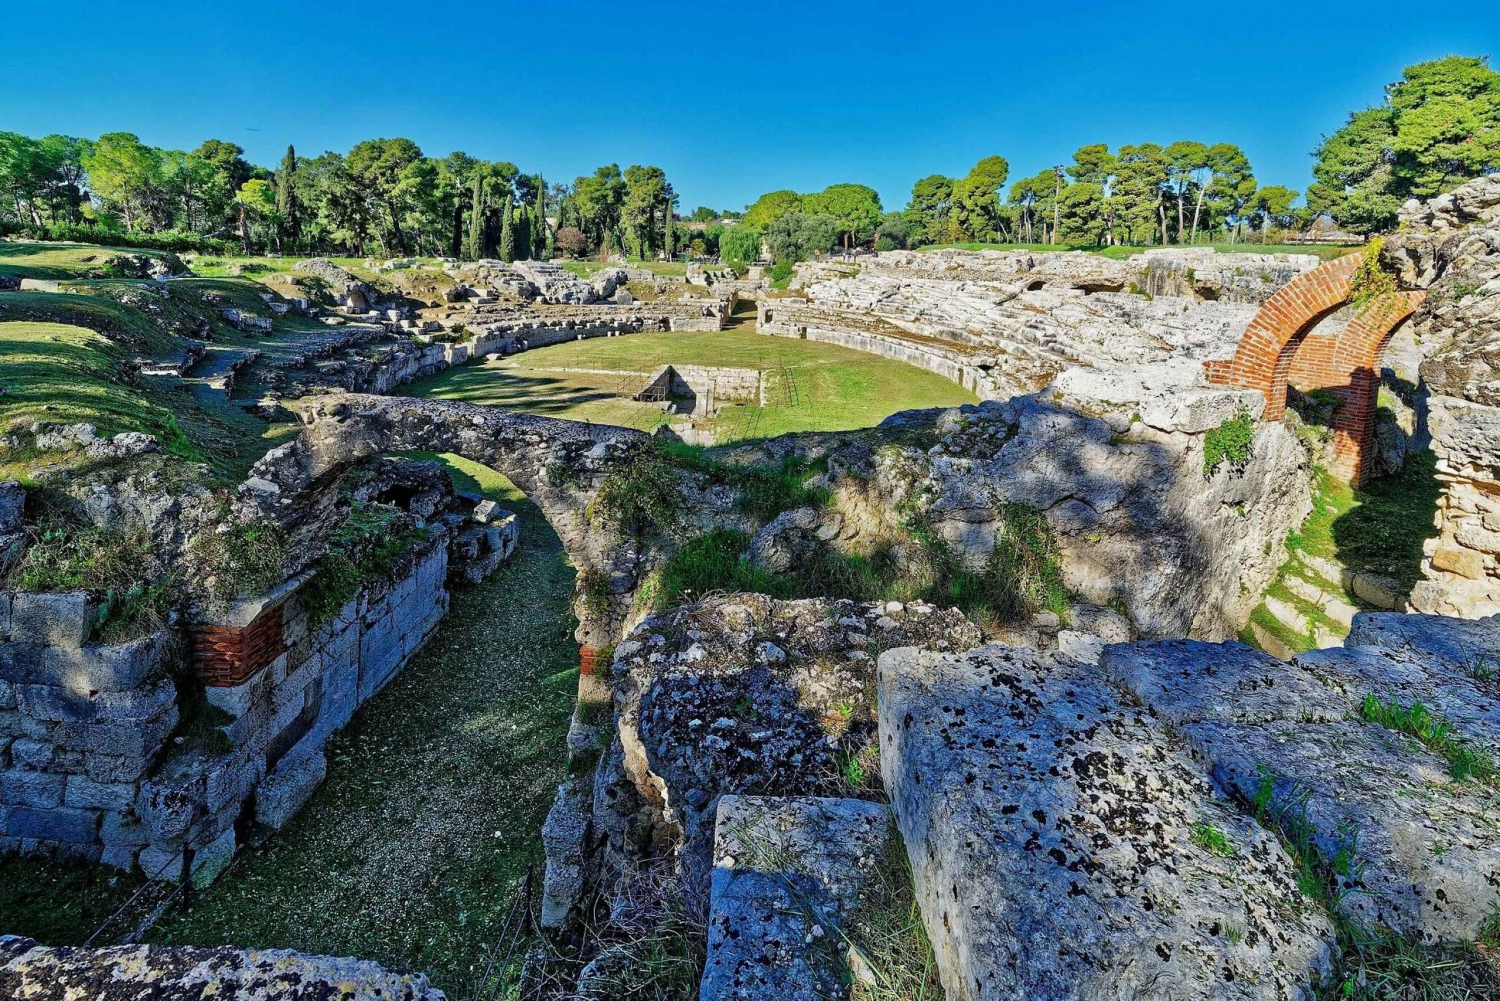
(92, 766)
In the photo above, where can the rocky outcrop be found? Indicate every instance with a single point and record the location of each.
(336, 286)
(745, 695)
(124, 973)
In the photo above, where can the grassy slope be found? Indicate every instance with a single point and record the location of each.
(436, 791)
(56, 261)
(1121, 253)
(812, 386)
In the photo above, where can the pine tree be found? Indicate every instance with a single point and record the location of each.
(288, 205)
(507, 231)
(475, 248)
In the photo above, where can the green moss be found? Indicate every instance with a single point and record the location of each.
(244, 559)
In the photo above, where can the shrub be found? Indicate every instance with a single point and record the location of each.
(367, 546)
(98, 236)
(781, 274)
(1370, 281)
(1230, 442)
(135, 591)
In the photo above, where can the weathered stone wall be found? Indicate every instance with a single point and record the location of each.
(1451, 246)
(95, 763)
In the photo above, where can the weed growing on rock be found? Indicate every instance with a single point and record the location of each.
(886, 934)
(119, 568)
(365, 547)
(1230, 443)
(1370, 281)
(1211, 839)
(1464, 761)
(243, 559)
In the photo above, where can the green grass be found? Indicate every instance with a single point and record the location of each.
(1324, 253)
(409, 853)
(1378, 528)
(1464, 761)
(55, 261)
(811, 386)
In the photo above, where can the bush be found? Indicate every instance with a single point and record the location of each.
(99, 236)
(1230, 443)
(739, 246)
(781, 274)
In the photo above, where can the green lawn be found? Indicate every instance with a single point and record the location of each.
(811, 386)
(1325, 253)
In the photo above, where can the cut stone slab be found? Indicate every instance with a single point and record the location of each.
(1424, 851)
(1050, 829)
(29, 970)
(1186, 681)
(1467, 645)
(286, 791)
(787, 871)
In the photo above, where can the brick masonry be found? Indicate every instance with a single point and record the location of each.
(1282, 345)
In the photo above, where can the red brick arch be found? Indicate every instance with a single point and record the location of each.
(1276, 349)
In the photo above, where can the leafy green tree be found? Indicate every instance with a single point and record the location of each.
(1230, 185)
(123, 172)
(257, 201)
(507, 230)
(771, 206)
(1439, 126)
(799, 237)
(1187, 168)
(379, 164)
(597, 200)
(1081, 215)
(926, 214)
(646, 190)
(1270, 206)
(1139, 192)
(740, 245)
(288, 203)
(892, 233)
(854, 207)
(703, 214)
(976, 198)
(1095, 165)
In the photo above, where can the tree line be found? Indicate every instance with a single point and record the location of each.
(383, 196)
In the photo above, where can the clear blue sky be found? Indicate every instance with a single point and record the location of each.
(730, 99)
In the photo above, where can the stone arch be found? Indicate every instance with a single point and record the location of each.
(559, 465)
(1276, 349)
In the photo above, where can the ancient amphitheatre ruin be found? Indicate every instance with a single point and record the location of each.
(961, 618)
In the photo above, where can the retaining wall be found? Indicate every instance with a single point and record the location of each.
(119, 754)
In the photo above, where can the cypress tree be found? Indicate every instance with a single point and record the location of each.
(522, 228)
(541, 236)
(475, 249)
(288, 205)
(507, 231)
(666, 229)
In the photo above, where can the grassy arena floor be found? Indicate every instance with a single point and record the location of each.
(810, 386)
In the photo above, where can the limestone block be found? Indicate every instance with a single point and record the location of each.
(1471, 534)
(84, 793)
(22, 787)
(1287, 614)
(787, 873)
(123, 830)
(211, 859)
(1007, 772)
(30, 753)
(21, 661)
(1465, 562)
(56, 619)
(48, 702)
(137, 971)
(4, 616)
(1083, 647)
(7, 695)
(1382, 592)
(161, 863)
(62, 824)
(114, 668)
(285, 791)
(119, 857)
